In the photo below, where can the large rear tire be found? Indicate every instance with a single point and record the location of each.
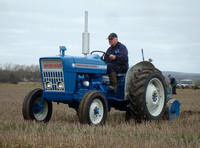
(93, 108)
(31, 107)
(148, 95)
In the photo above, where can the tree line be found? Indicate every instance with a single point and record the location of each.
(14, 73)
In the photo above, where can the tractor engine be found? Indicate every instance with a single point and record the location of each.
(68, 75)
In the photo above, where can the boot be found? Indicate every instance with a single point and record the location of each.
(113, 80)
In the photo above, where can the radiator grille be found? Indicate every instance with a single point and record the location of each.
(53, 76)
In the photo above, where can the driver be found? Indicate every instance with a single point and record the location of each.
(117, 59)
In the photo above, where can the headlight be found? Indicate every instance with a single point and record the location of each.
(86, 83)
(60, 85)
(48, 85)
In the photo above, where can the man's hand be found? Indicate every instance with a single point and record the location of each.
(112, 57)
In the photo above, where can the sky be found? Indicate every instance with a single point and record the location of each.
(167, 31)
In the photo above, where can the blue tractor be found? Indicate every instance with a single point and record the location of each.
(82, 83)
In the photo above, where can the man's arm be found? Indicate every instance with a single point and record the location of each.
(106, 56)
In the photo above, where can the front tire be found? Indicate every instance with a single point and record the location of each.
(93, 108)
(148, 94)
(31, 109)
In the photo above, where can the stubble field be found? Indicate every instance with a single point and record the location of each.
(64, 129)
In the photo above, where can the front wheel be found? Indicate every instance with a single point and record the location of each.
(93, 108)
(32, 109)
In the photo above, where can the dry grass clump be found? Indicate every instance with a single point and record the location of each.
(64, 129)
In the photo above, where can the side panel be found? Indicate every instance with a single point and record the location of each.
(89, 65)
(70, 81)
(64, 97)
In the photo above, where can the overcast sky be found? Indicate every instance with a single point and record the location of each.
(168, 31)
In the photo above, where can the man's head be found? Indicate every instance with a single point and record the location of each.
(169, 76)
(113, 39)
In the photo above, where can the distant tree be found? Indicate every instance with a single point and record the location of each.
(8, 66)
(14, 73)
(14, 79)
(4, 76)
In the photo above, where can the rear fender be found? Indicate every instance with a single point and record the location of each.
(130, 74)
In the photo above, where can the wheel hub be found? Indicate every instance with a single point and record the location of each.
(96, 111)
(39, 112)
(36, 108)
(155, 97)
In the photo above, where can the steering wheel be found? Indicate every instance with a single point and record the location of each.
(104, 53)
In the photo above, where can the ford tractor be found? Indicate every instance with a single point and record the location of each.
(83, 84)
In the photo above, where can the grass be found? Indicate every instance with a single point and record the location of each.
(64, 129)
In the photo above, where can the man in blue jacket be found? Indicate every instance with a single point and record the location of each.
(173, 84)
(117, 59)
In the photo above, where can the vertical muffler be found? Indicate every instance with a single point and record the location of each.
(85, 37)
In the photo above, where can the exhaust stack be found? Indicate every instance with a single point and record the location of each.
(85, 37)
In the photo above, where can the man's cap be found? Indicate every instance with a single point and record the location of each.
(169, 75)
(112, 35)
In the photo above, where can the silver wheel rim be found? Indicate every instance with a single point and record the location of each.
(96, 111)
(42, 114)
(155, 97)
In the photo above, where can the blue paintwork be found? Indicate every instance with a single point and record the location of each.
(142, 55)
(74, 75)
(96, 111)
(63, 49)
(37, 108)
(76, 70)
(169, 91)
(174, 109)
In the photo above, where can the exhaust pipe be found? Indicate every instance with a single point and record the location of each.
(85, 37)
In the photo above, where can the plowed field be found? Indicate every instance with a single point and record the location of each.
(64, 129)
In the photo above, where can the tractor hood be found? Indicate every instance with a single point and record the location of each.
(90, 64)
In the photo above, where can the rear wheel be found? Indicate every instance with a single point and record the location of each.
(148, 94)
(32, 110)
(93, 108)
